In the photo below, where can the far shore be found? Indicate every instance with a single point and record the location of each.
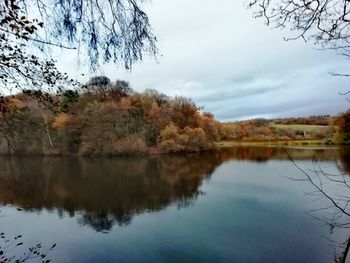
(226, 144)
(309, 144)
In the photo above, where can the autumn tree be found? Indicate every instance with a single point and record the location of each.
(120, 89)
(183, 111)
(25, 127)
(174, 139)
(159, 97)
(10, 111)
(210, 126)
(342, 124)
(171, 140)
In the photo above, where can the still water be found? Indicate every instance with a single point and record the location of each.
(237, 205)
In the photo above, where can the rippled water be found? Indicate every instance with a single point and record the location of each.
(237, 205)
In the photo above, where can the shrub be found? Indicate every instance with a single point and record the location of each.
(171, 146)
(130, 144)
(173, 139)
(196, 139)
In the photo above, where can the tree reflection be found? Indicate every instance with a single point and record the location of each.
(102, 221)
(344, 157)
(103, 192)
(264, 154)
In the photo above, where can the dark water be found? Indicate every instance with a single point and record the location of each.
(231, 206)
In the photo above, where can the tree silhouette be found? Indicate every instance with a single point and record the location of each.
(112, 30)
(324, 22)
(335, 189)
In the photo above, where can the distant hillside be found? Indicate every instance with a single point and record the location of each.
(311, 120)
(303, 128)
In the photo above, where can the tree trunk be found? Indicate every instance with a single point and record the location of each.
(48, 131)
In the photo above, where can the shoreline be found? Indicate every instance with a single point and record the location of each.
(301, 144)
(217, 146)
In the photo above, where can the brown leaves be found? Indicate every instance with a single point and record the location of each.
(61, 120)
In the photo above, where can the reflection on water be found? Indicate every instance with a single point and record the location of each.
(344, 158)
(108, 191)
(103, 193)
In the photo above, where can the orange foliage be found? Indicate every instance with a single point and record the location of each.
(60, 120)
(16, 103)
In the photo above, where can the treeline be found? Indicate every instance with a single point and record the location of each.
(110, 118)
(103, 118)
(310, 120)
(331, 129)
(263, 130)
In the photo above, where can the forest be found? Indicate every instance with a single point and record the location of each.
(103, 118)
(109, 118)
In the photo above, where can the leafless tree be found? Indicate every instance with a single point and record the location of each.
(324, 22)
(111, 30)
(334, 187)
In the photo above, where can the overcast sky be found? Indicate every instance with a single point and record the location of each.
(232, 64)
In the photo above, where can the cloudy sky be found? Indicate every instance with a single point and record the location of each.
(232, 64)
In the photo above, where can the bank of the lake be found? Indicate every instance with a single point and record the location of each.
(274, 143)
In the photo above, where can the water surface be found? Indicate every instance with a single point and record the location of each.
(231, 206)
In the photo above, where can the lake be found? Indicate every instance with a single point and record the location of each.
(243, 204)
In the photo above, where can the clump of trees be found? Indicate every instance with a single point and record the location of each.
(342, 128)
(47, 117)
(175, 139)
(103, 118)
